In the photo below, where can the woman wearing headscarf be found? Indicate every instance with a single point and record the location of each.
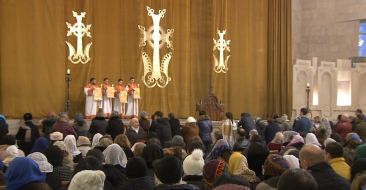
(70, 143)
(80, 125)
(24, 173)
(292, 160)
(273, 167)
(151, 153)
(96, 139)
(138, 178)
(52, 180)
(276, 144)
(68, 158)
(27, 134)
(238, 165)
(55, 157)
(41, 145)
(311, 139)
(219, 148)
(83, 144)
(88, 180)
(115, 156)
(287, 136)
(11, 152)
(296, 141)
(352, 141)
(125, 144)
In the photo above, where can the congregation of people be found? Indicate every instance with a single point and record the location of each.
(162, 153)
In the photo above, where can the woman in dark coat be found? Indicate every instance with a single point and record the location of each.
(115, 125)
(98, 124)
(256, 154)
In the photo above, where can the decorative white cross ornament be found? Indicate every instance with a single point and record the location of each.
(156, 73)
(221, 45)
(79, 30)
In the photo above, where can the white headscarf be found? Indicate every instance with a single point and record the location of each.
(88, 180)
(70, 143)
(115, 155)
(96, 139)
(328, 140)
(10, 153)
(311, 139)
(42, 162)
(292, 160)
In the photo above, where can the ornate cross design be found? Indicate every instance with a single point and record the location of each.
(156, 73)
(79, 30)
(221, 45)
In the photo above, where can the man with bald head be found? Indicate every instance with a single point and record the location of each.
(135, 133)
(312, 158)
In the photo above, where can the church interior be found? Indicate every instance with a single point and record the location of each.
(270, 90)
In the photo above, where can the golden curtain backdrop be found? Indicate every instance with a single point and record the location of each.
(33, 54)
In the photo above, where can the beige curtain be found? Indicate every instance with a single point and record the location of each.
(279, 57)
(33, 53)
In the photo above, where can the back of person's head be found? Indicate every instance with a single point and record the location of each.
(171, 116)
(218, 135)
(159, 114)
(143, 114)
(196, 143)
(310, 155)
(122, 141)
(275, 165)
(8, 140)
(241, 132)
(229, 115)
(255, 138)
(334, 150)
(200, 113)
(304, 111)
(169, 170)
(193, 163)
(153, 140)
(63, 116)
(138, 148)
(55, 155)
(177, 140)
(22, 171)
(358, 166)
(151, 153)
(87, 180)
(231, 179)
(27, 117)
(115, 115)
(96, 153)
(359, 182)
(88, 163)
(136, 168)
(298, 179)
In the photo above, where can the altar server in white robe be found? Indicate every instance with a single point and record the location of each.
(90, 102)
(133, 98)
(120, 98)
(107, 101)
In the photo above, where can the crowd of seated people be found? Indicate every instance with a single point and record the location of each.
(162, 154)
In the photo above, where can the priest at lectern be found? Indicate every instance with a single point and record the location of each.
(133, 97)
(120, 98)
(91, 103)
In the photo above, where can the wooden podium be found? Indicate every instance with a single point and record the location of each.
(212, 106)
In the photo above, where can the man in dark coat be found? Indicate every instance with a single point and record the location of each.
(135, 133)
(246, 122)
(99, 124)
(174, 125)
(27, 134)
(205, 129)
(272, 128)
(312, 159)
(163, 131)
(302, 124)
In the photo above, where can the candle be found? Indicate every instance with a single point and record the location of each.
(308, 85)
(68, 71)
